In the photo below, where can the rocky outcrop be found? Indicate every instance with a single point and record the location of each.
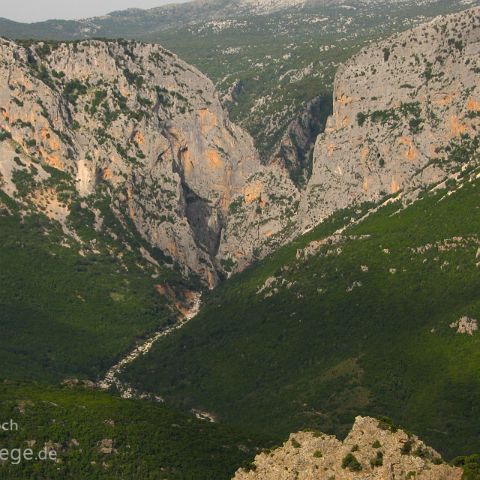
(406, 111)
(132, 123)
(373, 450)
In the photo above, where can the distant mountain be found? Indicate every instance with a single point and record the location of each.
(134, 21)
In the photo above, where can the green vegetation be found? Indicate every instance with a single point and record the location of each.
(386, 423)
(386, 54)
(57, 314)
(361, 118)
(340, 339)
(351, 463)
(407, 448)
(133, 78)
(73, 90)
(384, 116)
(410, 111)
(98, 98)
(377, 461)
(145, 438)
(460, 151)
(470, 465)
(4, 135)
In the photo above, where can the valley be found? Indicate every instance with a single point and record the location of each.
(358, 323)
(191, 269)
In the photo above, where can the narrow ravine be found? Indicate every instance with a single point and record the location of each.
(112, 379)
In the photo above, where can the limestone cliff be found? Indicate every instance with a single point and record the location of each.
(406, 113)
(144, 132)
(373, 450)
(406, 110)
(133, 124)
(260, 220)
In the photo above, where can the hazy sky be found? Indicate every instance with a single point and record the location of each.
(36, 10)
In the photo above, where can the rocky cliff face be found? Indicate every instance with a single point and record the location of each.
(132, 124)
(260, 220)
(406, 110)
(142, 130)
(373, 450)
(406, 113)
(295, 150)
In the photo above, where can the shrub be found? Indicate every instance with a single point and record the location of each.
(377, 461)
(384, 116)
(415, 125)
(295, 443)
(351, 463)
(44, 76)
(406, 448)
(470, 465)
(133, 78)
(386, 423)
(73, 90)
(428, 73)
(386, 54)
(4, 135)
(228, 264)
(98, 98)
(422, 452)
(43, 50)
(361, 118)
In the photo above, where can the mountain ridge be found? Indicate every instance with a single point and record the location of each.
(237, 49)
(404, 110)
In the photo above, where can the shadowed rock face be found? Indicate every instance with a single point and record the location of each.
(371, 451)
(205, 221)
(295, 150)
(133, 122)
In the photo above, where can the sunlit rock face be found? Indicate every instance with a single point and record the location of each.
(401, 106)
(135, 123)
